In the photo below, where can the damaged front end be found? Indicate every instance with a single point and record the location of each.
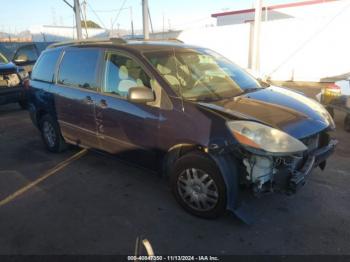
(269, 172)
(274, 161)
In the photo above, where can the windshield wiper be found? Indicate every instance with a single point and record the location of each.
(252, 89)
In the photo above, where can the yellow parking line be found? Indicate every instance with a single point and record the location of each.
(49, 173)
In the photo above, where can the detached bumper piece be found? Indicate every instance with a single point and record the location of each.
(315, 159)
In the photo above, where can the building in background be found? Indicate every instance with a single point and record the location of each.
(301, 41)
(299, 10)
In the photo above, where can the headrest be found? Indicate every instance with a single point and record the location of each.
(123, 73)
(163, 70)
(131, 63)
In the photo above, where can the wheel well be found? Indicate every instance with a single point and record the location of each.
(176, 152)
(39, 115)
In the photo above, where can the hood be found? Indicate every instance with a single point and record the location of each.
(8, 68)
(279, 108)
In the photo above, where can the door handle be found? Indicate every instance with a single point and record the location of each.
(88, 100)
(103, 103)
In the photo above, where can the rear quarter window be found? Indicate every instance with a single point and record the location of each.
(44, 69)
(79, 68)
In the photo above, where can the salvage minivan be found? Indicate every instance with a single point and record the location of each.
(213, 127)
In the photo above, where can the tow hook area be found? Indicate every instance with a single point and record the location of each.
(297, 179)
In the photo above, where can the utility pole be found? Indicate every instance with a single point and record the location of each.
(132, 23)
(84, 18)
(145, 16)
(77, 19)
(150, 19)
(256, 37)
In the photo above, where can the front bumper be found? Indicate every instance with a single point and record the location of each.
(297, 178)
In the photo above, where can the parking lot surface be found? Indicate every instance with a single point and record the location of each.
(97, 204)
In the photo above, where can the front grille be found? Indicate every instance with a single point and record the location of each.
(316, 141)
(312, 142)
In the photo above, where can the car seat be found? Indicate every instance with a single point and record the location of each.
(125, 82)
(166, 73)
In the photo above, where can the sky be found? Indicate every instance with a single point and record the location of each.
(19, 15)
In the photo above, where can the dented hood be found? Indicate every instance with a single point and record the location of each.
(277, 107)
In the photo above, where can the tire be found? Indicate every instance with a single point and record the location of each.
(194, 176)
(23, 105)
(51, 135)
(347, 123)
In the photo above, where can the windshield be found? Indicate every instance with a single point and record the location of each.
(201, 74)
(3, 59)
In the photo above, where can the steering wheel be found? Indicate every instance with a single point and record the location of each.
(203, 78)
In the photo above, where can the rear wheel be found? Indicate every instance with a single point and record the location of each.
(198, 185)
(51, 134)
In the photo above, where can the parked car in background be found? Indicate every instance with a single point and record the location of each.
(210, 125)
(336, 96)
(12, 79)
(15, 73)
(26, 56)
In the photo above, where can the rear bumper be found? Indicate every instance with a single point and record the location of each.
(298, 178)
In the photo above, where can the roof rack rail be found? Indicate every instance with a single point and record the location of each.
(176, 40)
(157, 39)
(88, 41)
(118, 40)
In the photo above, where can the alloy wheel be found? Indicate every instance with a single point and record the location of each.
(197, 189)
(49, 134)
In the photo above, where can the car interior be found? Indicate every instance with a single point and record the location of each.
(122, 73)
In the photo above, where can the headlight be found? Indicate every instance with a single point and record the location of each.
(257, 136)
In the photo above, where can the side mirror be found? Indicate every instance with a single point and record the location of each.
(20, 60)
(141, 94)
(263, 83)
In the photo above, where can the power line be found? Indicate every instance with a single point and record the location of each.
(97, 16)
(68, 4)
(120, 10)
(312, 37)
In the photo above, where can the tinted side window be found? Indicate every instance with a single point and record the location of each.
(44, 69)
(79, 68)
(123, 73)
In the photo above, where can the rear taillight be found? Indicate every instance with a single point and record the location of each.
(332, 90)
(333, 87)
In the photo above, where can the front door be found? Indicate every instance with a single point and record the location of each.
(75, 92)
(124, 127)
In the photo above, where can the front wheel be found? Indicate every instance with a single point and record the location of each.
(51, 134)
(198, 185)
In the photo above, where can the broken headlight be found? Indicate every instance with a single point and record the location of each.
(262, 138)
